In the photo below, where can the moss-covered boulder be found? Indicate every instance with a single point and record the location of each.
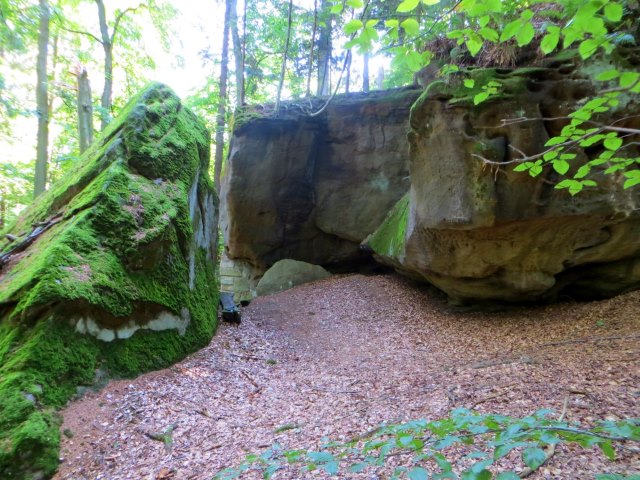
(110, 272)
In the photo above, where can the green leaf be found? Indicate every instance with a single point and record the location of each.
(430, 2)
(570, 35)
(510, 30)
(525, 35)
(330, 467)
(489, 33)
(414, 61)
(472, 475)
(612, 143)
(393, 23)
(587, 48)
(358, 467)
(627, 79)
(527, 15)
(608, 75)
(549, 42)
(418, 473)
(469, 82)
(484, 21)
(411, 26)
(474, 44)
(534, 457)
(608, 450)
(352, 26)
(355, 3)
(408, 5)
(613, 12)
(480, 97)
(535, 170)
(633, 178)
(336, 8)
(561, 166)
(555, 141)
(508, 476)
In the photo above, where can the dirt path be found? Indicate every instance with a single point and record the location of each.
(338, 357)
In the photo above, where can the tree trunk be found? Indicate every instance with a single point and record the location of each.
(54, 68)
(324, 51)
(347, 80)
(3, 207)
(380, 78)
(365, 73)
(85, 110)
(107, 46)
(284, 58)
(220, 118)
(313, 41)
(42, 156)
(237, 54)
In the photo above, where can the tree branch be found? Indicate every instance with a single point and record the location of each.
(119, 17)
(81, 32)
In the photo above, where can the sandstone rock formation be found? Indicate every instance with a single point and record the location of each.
(312, 188)
(112, 270)
(484, 232)
(287, 273)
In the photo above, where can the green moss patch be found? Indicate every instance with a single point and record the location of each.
(123, 279)
(389, 239)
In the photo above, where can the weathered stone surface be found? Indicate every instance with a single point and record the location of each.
(122, 280)
(488, 233)
(312, 188)
(287, 273)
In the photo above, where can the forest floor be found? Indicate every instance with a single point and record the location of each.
(338, 357)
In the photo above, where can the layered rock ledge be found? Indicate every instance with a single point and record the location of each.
(480, 231)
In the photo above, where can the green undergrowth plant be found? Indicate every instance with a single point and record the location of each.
(465, 445)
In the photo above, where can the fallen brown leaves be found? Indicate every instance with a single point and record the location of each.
(338, 357)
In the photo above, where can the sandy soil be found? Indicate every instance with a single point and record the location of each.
(340, 356)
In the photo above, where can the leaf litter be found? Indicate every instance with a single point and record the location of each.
(338, 357)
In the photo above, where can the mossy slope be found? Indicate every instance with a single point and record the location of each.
(129, 256)
(388, 241)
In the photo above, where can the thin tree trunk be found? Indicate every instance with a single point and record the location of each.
(365, 73)
(284, 58)
(380, 78)
(313, 41)
(237, 54)
(347, 80)
(107, 46)
(324, 52)
(85, 110)
(42, 156)
(54, 67)
(244, 48)
(220, 118)
(3, 207)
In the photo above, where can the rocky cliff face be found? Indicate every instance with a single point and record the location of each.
(481, 231)
(110, 272)
(312, 188)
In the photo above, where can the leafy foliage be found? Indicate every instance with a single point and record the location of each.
(485, 27)
(465, 445)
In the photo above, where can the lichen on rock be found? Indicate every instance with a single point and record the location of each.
(120, 276)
